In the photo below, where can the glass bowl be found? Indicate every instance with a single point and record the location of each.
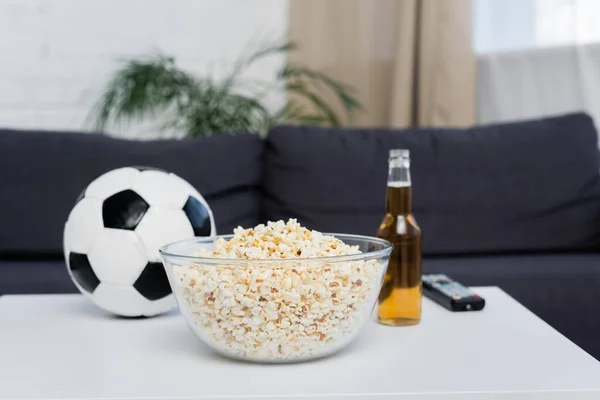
(276, 310)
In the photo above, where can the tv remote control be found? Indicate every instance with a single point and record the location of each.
(451, 294)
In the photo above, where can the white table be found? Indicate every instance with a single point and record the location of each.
(62, 347)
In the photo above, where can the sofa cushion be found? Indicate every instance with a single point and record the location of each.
(42, 173)
(530, 185)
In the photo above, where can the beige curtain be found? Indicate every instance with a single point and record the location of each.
(411, 61)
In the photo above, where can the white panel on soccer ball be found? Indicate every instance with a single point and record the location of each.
(83, 226)
(112, 182)
(160, 189)
(161, 226)
(117, 257)
(163, 305)
(190, 190)
(194, 193)
(122, 300)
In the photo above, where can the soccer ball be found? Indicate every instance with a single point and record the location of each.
(114, 232)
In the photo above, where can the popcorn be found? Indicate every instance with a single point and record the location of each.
(298, 308)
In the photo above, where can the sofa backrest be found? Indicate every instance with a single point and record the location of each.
(42, 173)
(522, 186)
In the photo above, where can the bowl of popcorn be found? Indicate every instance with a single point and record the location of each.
(277, 292)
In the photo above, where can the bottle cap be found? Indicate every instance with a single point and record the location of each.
(395, 153)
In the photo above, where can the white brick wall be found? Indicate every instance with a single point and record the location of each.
(57, 54)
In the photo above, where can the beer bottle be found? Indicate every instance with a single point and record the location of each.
(400, 296)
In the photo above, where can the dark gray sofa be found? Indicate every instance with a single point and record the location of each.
(513, 205)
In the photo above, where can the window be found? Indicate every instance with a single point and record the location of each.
(505, 25)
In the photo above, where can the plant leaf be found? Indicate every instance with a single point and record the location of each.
(317, 101)
(343, 92)
(221, 110)
(245, 62)
(143, 88)
(275, 48)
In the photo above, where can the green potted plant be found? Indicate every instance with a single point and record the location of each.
(202, 106)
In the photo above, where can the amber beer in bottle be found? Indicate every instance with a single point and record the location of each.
(400, 296)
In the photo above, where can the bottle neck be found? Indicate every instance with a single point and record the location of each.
(398, 199)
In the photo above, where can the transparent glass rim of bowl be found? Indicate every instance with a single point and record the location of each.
(385, 250)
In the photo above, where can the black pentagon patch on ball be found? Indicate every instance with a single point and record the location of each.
(142, 169)
(153, 283)
(82, 272)
(124, 210)
(198, 216)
